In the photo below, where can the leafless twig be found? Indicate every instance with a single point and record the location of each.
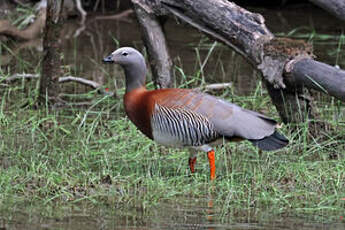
(19, 76)
(123, 14)
(80, 80)
(81, 11)
(83, 81)
(79, 30)
(217, 86)
(92, 84)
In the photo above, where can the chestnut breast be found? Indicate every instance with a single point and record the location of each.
(139, 106)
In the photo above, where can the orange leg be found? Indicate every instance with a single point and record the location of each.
(211, 159)
(191, 162)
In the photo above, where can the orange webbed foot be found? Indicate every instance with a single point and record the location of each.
(211, 159)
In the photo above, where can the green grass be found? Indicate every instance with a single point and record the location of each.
(95, 155)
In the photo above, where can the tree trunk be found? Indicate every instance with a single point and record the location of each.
(51, 63)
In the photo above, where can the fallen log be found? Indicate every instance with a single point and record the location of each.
(316, 75)
(334, 7)
(153, 35)
(247, 34)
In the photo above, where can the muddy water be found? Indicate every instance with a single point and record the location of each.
(84, 49)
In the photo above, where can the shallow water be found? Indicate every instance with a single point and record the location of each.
(82, 57)
(192, 215)
(185, 43)
(84, 48)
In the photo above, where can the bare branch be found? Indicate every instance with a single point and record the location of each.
(155, 43)
(80, 80)
(90, 83)
(217, 86)
(81, 11)
(121, 15)
(19, 76)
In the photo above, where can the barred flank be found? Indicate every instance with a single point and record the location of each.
(190, 128)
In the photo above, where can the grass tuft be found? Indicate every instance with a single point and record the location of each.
(73, 156)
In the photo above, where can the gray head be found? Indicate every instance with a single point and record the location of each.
(133, 62)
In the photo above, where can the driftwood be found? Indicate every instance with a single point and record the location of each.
(159, 58)
(282, 62)
(335, 7)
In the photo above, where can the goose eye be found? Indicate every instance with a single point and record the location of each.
(124, 53)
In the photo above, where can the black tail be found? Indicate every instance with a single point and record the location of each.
(273, 142)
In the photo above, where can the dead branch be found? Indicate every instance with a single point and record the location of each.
(316, 75)
(79, 30)
(247, 34)
(80, 80)
(81, 11)
(83, 81)
(118, 16)
(155, 43)
(217, 86)
(19, 76)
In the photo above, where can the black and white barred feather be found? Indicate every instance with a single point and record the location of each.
(178, 126)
